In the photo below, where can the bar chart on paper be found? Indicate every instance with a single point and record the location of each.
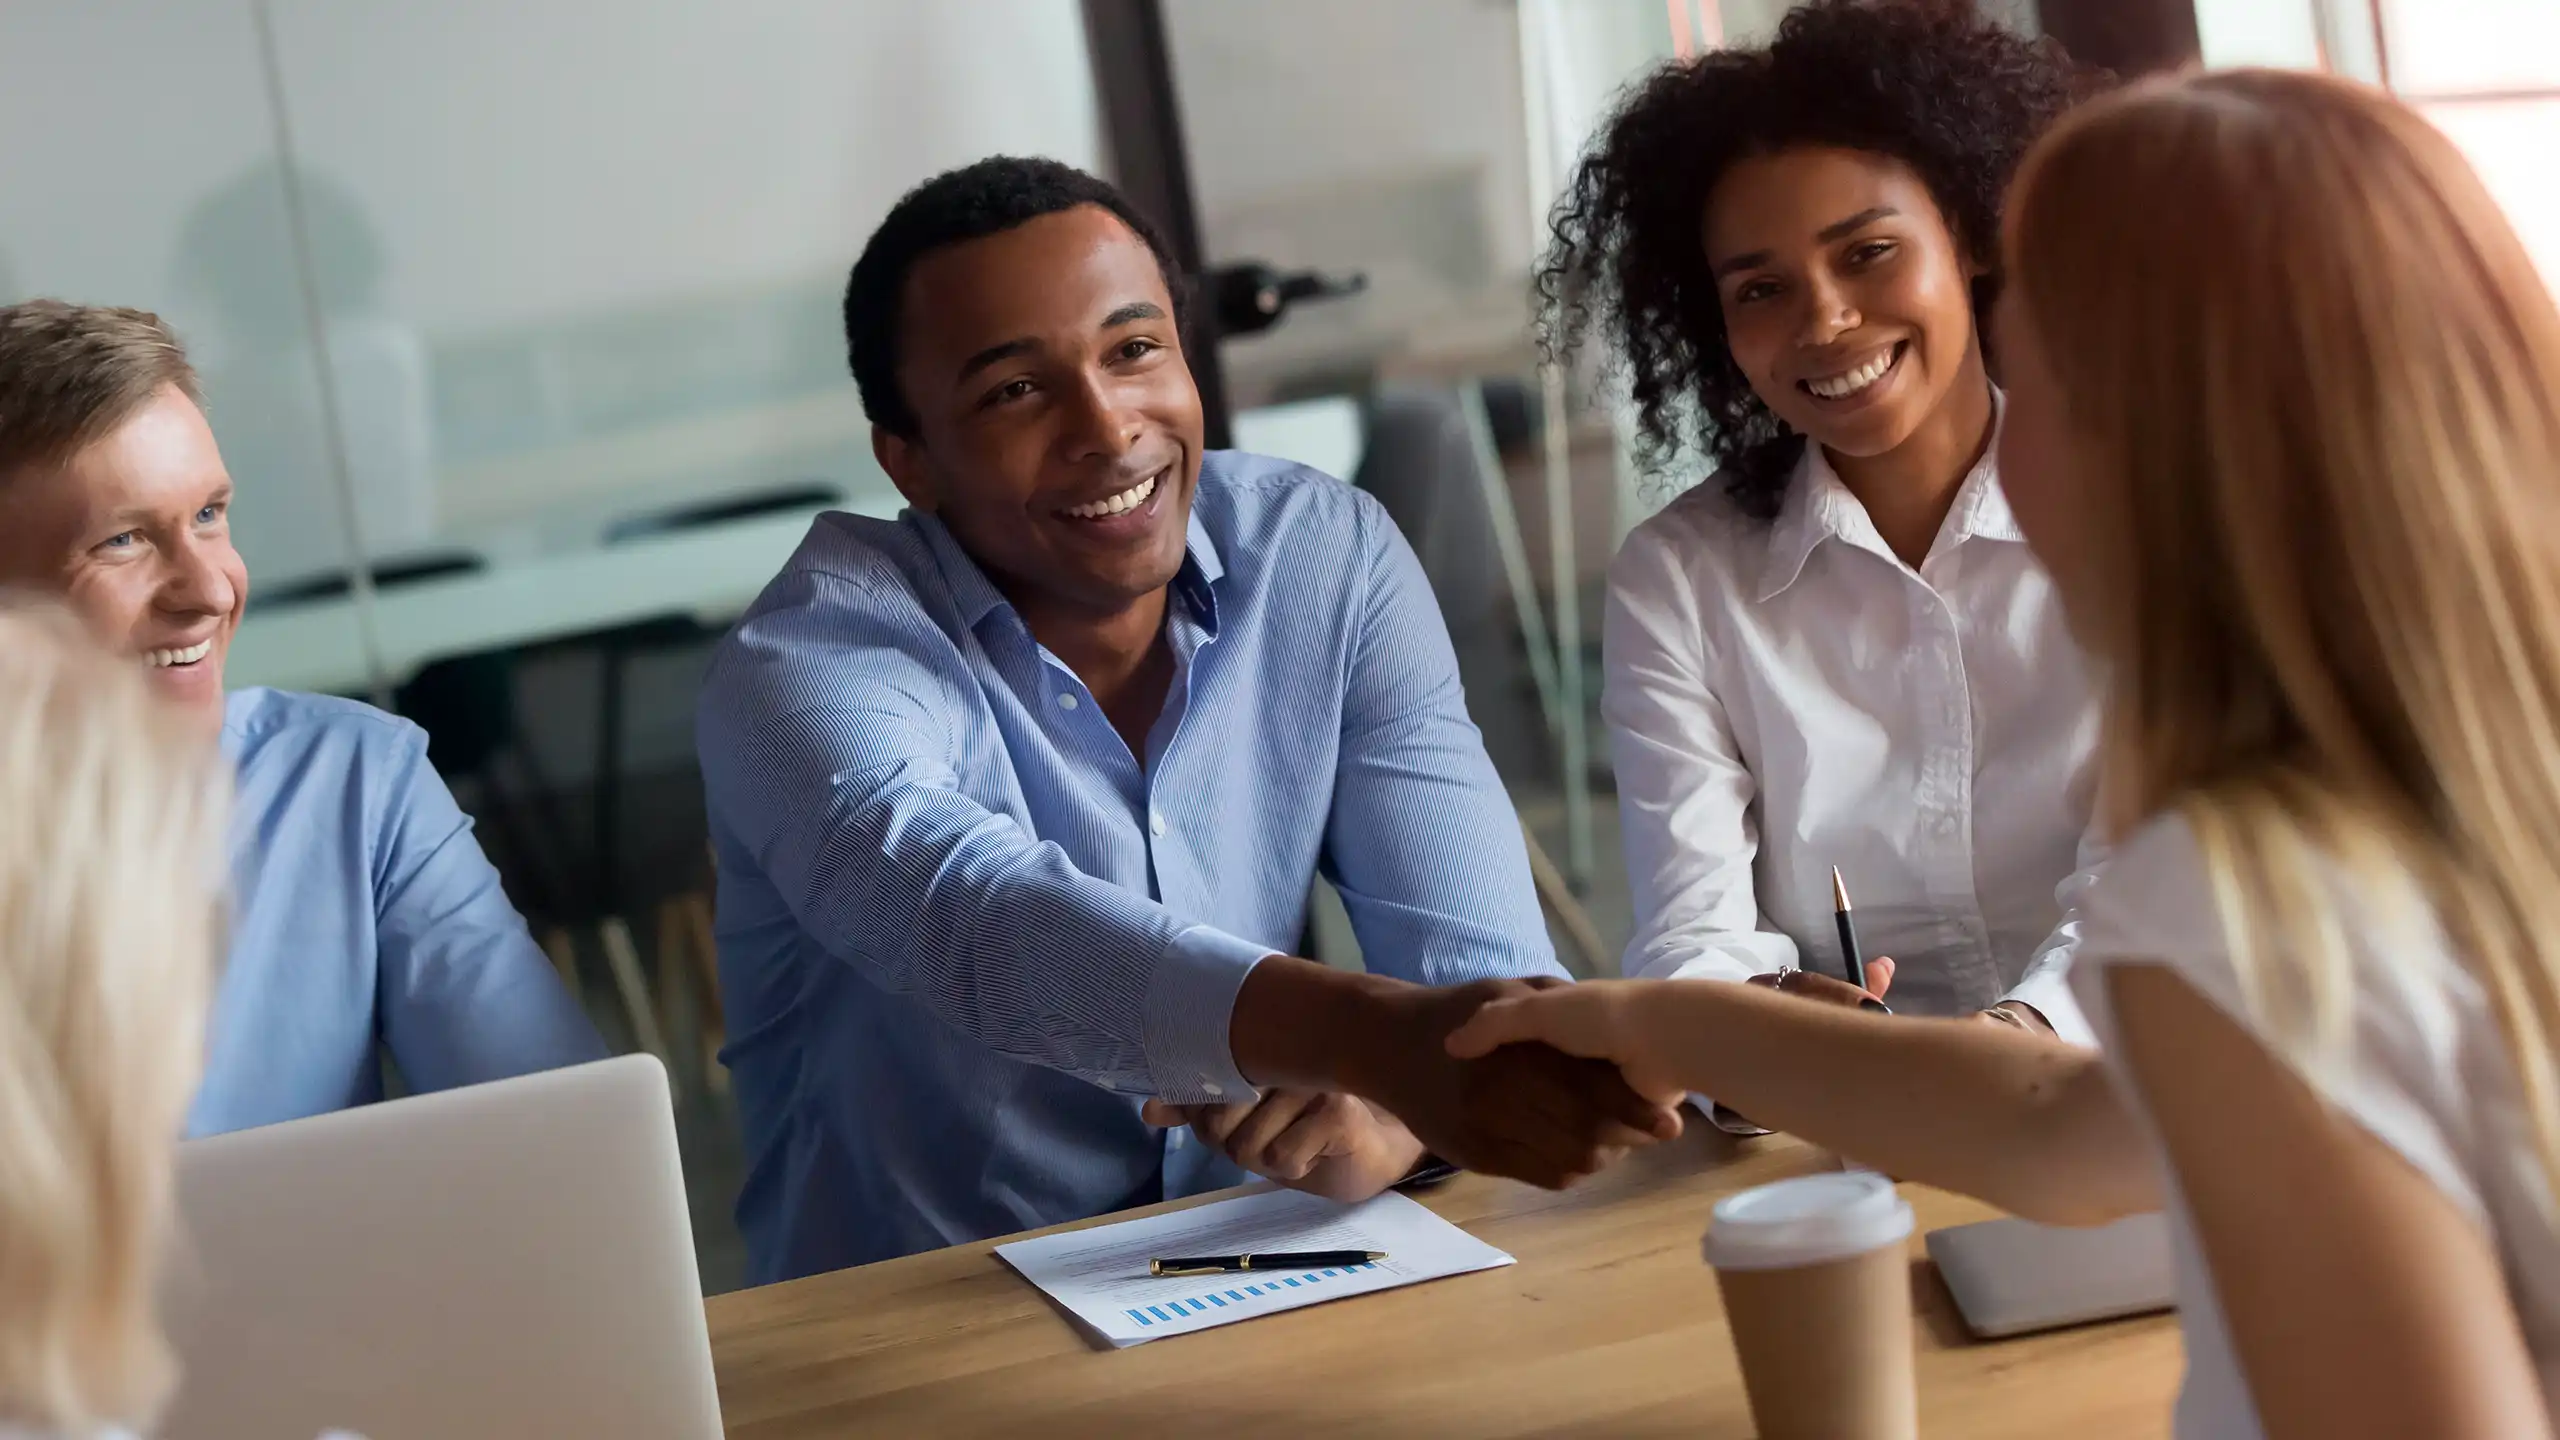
(1100, 1274)
(1239, 1296)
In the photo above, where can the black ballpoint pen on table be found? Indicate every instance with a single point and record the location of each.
(1852, 959)
(1281, 1260)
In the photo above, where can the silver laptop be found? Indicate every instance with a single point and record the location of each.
(501, 1261)
(2010, 1277)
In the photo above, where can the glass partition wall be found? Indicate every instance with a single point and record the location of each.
(520, 328)
(1425, 171)
(482, 287)
(1405, 156)
(144, 174)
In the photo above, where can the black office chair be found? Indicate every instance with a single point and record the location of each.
(467, 706)
(616, 647)
(1424, 467)
(806, 495)
(1419, 461)
(683, 921)
(387, 573)
(1250, 296)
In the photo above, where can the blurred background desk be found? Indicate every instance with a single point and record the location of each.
(598, 576)
(1608, 1326)
(709, 572)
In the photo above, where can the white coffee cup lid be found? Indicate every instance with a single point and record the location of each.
(1806, 1221)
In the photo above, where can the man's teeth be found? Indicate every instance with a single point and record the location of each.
(161, 659)
(1127, 500)
(1841, 387)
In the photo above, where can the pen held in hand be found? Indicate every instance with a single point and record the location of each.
(1278, 1260)
(1853, 960)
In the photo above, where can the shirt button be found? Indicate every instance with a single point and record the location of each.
(1155, 821)
(1066, 702)
(1212, 1089)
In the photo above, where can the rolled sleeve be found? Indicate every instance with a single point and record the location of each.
(2048, 989)
(2046, 981)
(1725, 956)
(1189, 1004)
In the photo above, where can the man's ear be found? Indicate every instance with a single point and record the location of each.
(903, 458)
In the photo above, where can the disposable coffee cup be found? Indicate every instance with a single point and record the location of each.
(1817, 1291)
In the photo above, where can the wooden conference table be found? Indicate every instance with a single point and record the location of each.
(1608, 1326)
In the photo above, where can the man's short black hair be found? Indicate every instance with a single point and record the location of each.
(970, 203)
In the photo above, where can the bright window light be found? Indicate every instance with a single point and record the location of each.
(2511, 143)
(2452, 47)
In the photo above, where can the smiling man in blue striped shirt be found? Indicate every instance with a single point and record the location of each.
(1017, 800)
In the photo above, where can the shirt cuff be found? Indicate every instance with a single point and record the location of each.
(1700, 965)
(2049, 990)
(1189, 1003)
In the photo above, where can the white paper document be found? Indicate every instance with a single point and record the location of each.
(1100, 1274)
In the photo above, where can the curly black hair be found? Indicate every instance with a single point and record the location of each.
(1929, 82)
(977, 200)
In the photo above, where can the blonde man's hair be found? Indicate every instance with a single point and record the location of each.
(2322, 378)
(71, 374)
(110, 865)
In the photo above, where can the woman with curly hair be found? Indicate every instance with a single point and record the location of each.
(1838, 651)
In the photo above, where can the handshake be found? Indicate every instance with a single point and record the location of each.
(1359, 1084)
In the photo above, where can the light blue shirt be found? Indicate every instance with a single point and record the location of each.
(963, 930)
(362, 911)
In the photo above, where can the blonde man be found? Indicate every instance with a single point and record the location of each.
(363, 912)
(108, 872)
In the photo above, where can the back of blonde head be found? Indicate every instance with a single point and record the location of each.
(2322, 380)
(109, 868)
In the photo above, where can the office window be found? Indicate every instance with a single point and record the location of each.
(2459, 47)
(2511, 141)
(2488, 73)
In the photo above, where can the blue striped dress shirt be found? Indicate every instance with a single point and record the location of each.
(963, 930)
(363, 913)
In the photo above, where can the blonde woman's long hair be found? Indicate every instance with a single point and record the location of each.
(2321, 378)
(110, 868)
